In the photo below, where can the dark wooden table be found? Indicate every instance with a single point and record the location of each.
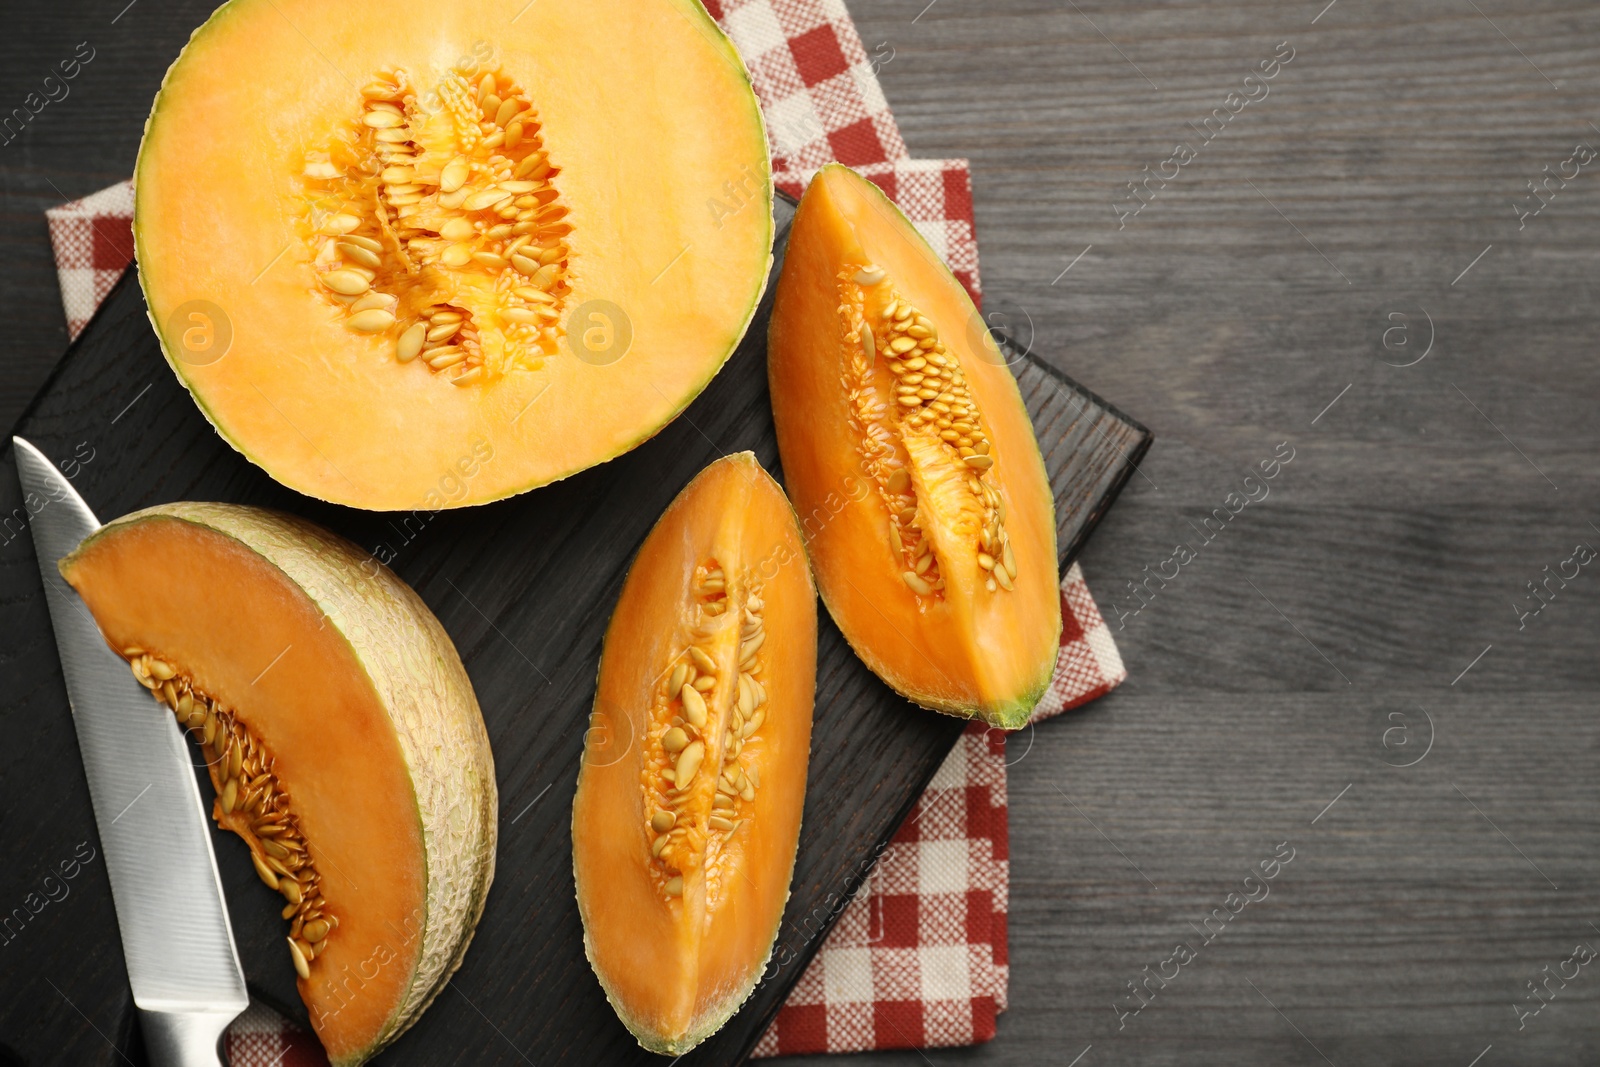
(1363, 614)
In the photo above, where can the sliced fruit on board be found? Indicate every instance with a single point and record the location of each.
(912, 461)
(439, 231)
(694, 771)
(341, 733)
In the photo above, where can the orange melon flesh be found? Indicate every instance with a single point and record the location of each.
(676, 965)
(188, 587)
(662, 186)
(965, 649)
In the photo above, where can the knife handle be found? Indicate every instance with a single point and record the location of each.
(184, 1038)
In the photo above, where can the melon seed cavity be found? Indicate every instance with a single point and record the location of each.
(699, 782)
(251, 802)
(433, 222)
(913, 414)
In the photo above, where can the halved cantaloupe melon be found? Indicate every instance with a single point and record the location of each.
(342, 737)
(381, 239)
(912, 461)
(694, 772)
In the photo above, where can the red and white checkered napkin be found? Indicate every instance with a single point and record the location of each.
(918, 958)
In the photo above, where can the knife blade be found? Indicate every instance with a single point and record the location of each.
(176, 936)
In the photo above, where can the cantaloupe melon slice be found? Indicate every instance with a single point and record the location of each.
(912, 461)
(342, 737)
(694, 773)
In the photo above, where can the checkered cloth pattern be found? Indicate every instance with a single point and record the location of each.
(918, 957)
(93, 243)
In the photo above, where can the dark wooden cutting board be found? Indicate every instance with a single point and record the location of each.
(525, 588)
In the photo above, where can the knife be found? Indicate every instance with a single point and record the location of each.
(177, 940)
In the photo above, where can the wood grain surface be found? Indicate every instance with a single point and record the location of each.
(1387, 158)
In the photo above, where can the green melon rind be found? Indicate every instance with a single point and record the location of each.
(415, 671)
(730, 1004)
(1012, 714)
(693, 10)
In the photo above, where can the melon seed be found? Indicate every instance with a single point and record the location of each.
(674, 886)
(315, 930)
(694, 706)
(679, 676)
(675, 739)
(338, 224)
(485, 198)
(410, 343)
(364, 256)
(722, 800)
(346, 282)
(750, 647)
(705, 683)
(662, 821)
(916, 583)
(291, 891)
(701, 660)
(689, 762)
(870, 275)
(373, 320)
(1002, 576)
(230, 796)
(301, 965)
(381, 301)
(268, 877)
(717, 822)
(658, 845)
